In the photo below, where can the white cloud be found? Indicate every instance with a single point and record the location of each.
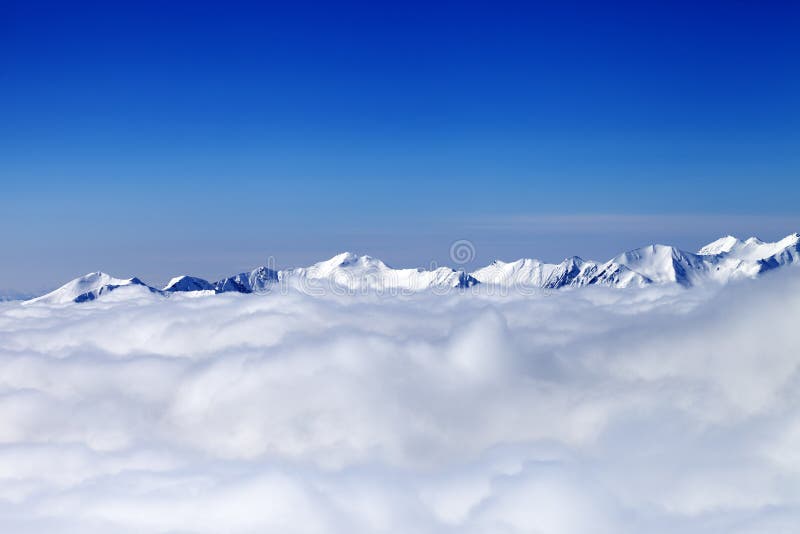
(657, 410)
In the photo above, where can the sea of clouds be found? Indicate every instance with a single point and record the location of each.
(587, 411)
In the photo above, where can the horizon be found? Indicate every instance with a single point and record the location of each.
(462, 257)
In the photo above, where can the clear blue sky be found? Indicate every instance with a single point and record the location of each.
(148, 139)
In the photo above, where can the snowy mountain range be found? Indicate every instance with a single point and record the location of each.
(725, 259)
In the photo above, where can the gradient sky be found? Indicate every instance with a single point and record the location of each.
(153, 140)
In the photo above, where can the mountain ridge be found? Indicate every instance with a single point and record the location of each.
(720, 261)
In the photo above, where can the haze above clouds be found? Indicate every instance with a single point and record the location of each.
(653, 410)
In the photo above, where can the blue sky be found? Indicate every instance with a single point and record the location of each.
(152, 140)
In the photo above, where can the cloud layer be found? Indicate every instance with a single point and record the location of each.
(603, 411)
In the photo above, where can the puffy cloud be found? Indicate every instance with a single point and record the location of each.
(595, 410)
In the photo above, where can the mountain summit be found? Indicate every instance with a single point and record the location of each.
(89, 287)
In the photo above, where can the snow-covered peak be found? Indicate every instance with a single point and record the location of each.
(85, 288)
(342, 259)
(664, 264)
(755, 249)
(571, 272)
(257, 280)
(346, 262)
(752, 249)
(791, 240)
(188, 283)
(721, 245)
(349, 259)
(574, 261)
(354, 272)
(525, 272)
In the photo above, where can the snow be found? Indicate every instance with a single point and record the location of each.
(365, 273)
(257, 280)
(723, 244)
(613, 274)
(188, 284)
(665, 264)
(719, 262)
(87, 287)
(527, 272)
